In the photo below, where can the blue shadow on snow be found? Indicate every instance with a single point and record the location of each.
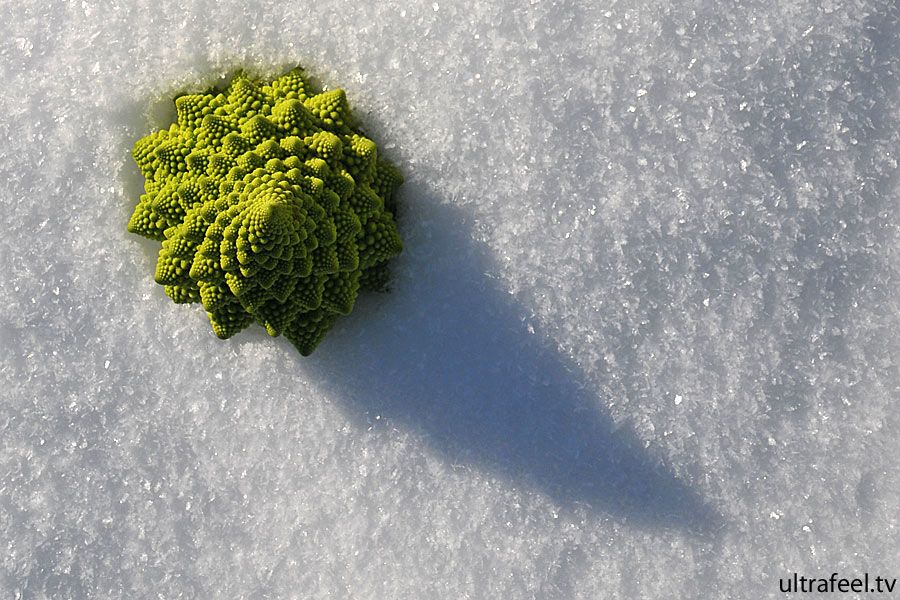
(449, 354)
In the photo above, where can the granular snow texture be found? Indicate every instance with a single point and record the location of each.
(642, 341)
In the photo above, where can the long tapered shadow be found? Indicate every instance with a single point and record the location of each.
(449, 353)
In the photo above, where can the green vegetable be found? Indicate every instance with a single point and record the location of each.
(271, 207)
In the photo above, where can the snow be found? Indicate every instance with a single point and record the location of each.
(641, 344)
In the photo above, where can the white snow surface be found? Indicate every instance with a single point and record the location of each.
(642, 342)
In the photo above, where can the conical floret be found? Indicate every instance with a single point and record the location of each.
(269, 206)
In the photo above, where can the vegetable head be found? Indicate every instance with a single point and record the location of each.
(271, 207)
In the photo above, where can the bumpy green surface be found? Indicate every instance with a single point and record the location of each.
(270, 205)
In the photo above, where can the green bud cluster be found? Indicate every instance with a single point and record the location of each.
(271, 207)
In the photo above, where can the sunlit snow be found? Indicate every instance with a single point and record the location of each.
(642, 342)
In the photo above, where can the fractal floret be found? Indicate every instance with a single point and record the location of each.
(271, 207)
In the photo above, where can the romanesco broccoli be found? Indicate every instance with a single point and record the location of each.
(271, 207)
